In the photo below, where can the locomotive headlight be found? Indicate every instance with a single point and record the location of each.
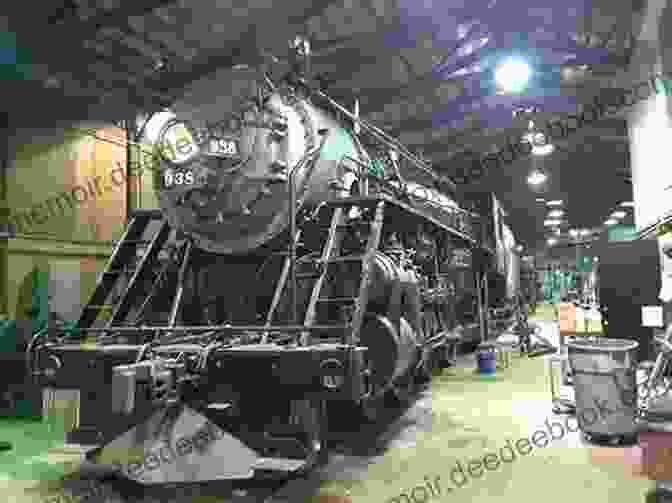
(177, 142)
(332, 374)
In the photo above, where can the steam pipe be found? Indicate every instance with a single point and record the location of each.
(292, 221)
(386, 139)
(180, 285)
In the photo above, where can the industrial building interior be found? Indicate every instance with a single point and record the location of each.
(335, 251)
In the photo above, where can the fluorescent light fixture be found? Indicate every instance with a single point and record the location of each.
(537, 177)
(541, 200)
(557, 202)
(542, 150)
(611, 221)
(618, 214)
(512, 75)
(555, 214)
(552, 222)
(627, 204)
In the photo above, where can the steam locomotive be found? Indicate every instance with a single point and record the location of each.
(301, 273)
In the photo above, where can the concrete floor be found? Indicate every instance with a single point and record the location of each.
(462, 417)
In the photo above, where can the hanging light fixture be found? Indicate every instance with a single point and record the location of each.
(537, 177)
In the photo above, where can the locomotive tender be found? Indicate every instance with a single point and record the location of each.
(297, 277)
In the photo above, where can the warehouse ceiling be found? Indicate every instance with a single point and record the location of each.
(423, 70)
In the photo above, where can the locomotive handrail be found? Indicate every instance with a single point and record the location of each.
(387, 140)
(308, 157)
(475, 218)
(365, 172)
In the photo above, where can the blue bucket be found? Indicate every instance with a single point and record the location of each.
(487, 360)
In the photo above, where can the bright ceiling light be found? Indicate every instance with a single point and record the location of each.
(552, 222)
(555, 214)
(627, 204)
(584, 232)
(552, 241)
(574, 233)
(512, 75)
(537, 177)
(618, 214)
(611, 221)
(557, 202)
(541, 200)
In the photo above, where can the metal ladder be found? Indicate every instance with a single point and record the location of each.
(119, 265)
(282, 283)
(331, 254)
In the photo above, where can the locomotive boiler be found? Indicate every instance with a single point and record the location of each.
(291, 281)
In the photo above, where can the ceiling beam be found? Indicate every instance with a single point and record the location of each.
(446, 143)
(60, 47)
(245, 50)
(425, 85)
(73, 33)
(343, 64)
